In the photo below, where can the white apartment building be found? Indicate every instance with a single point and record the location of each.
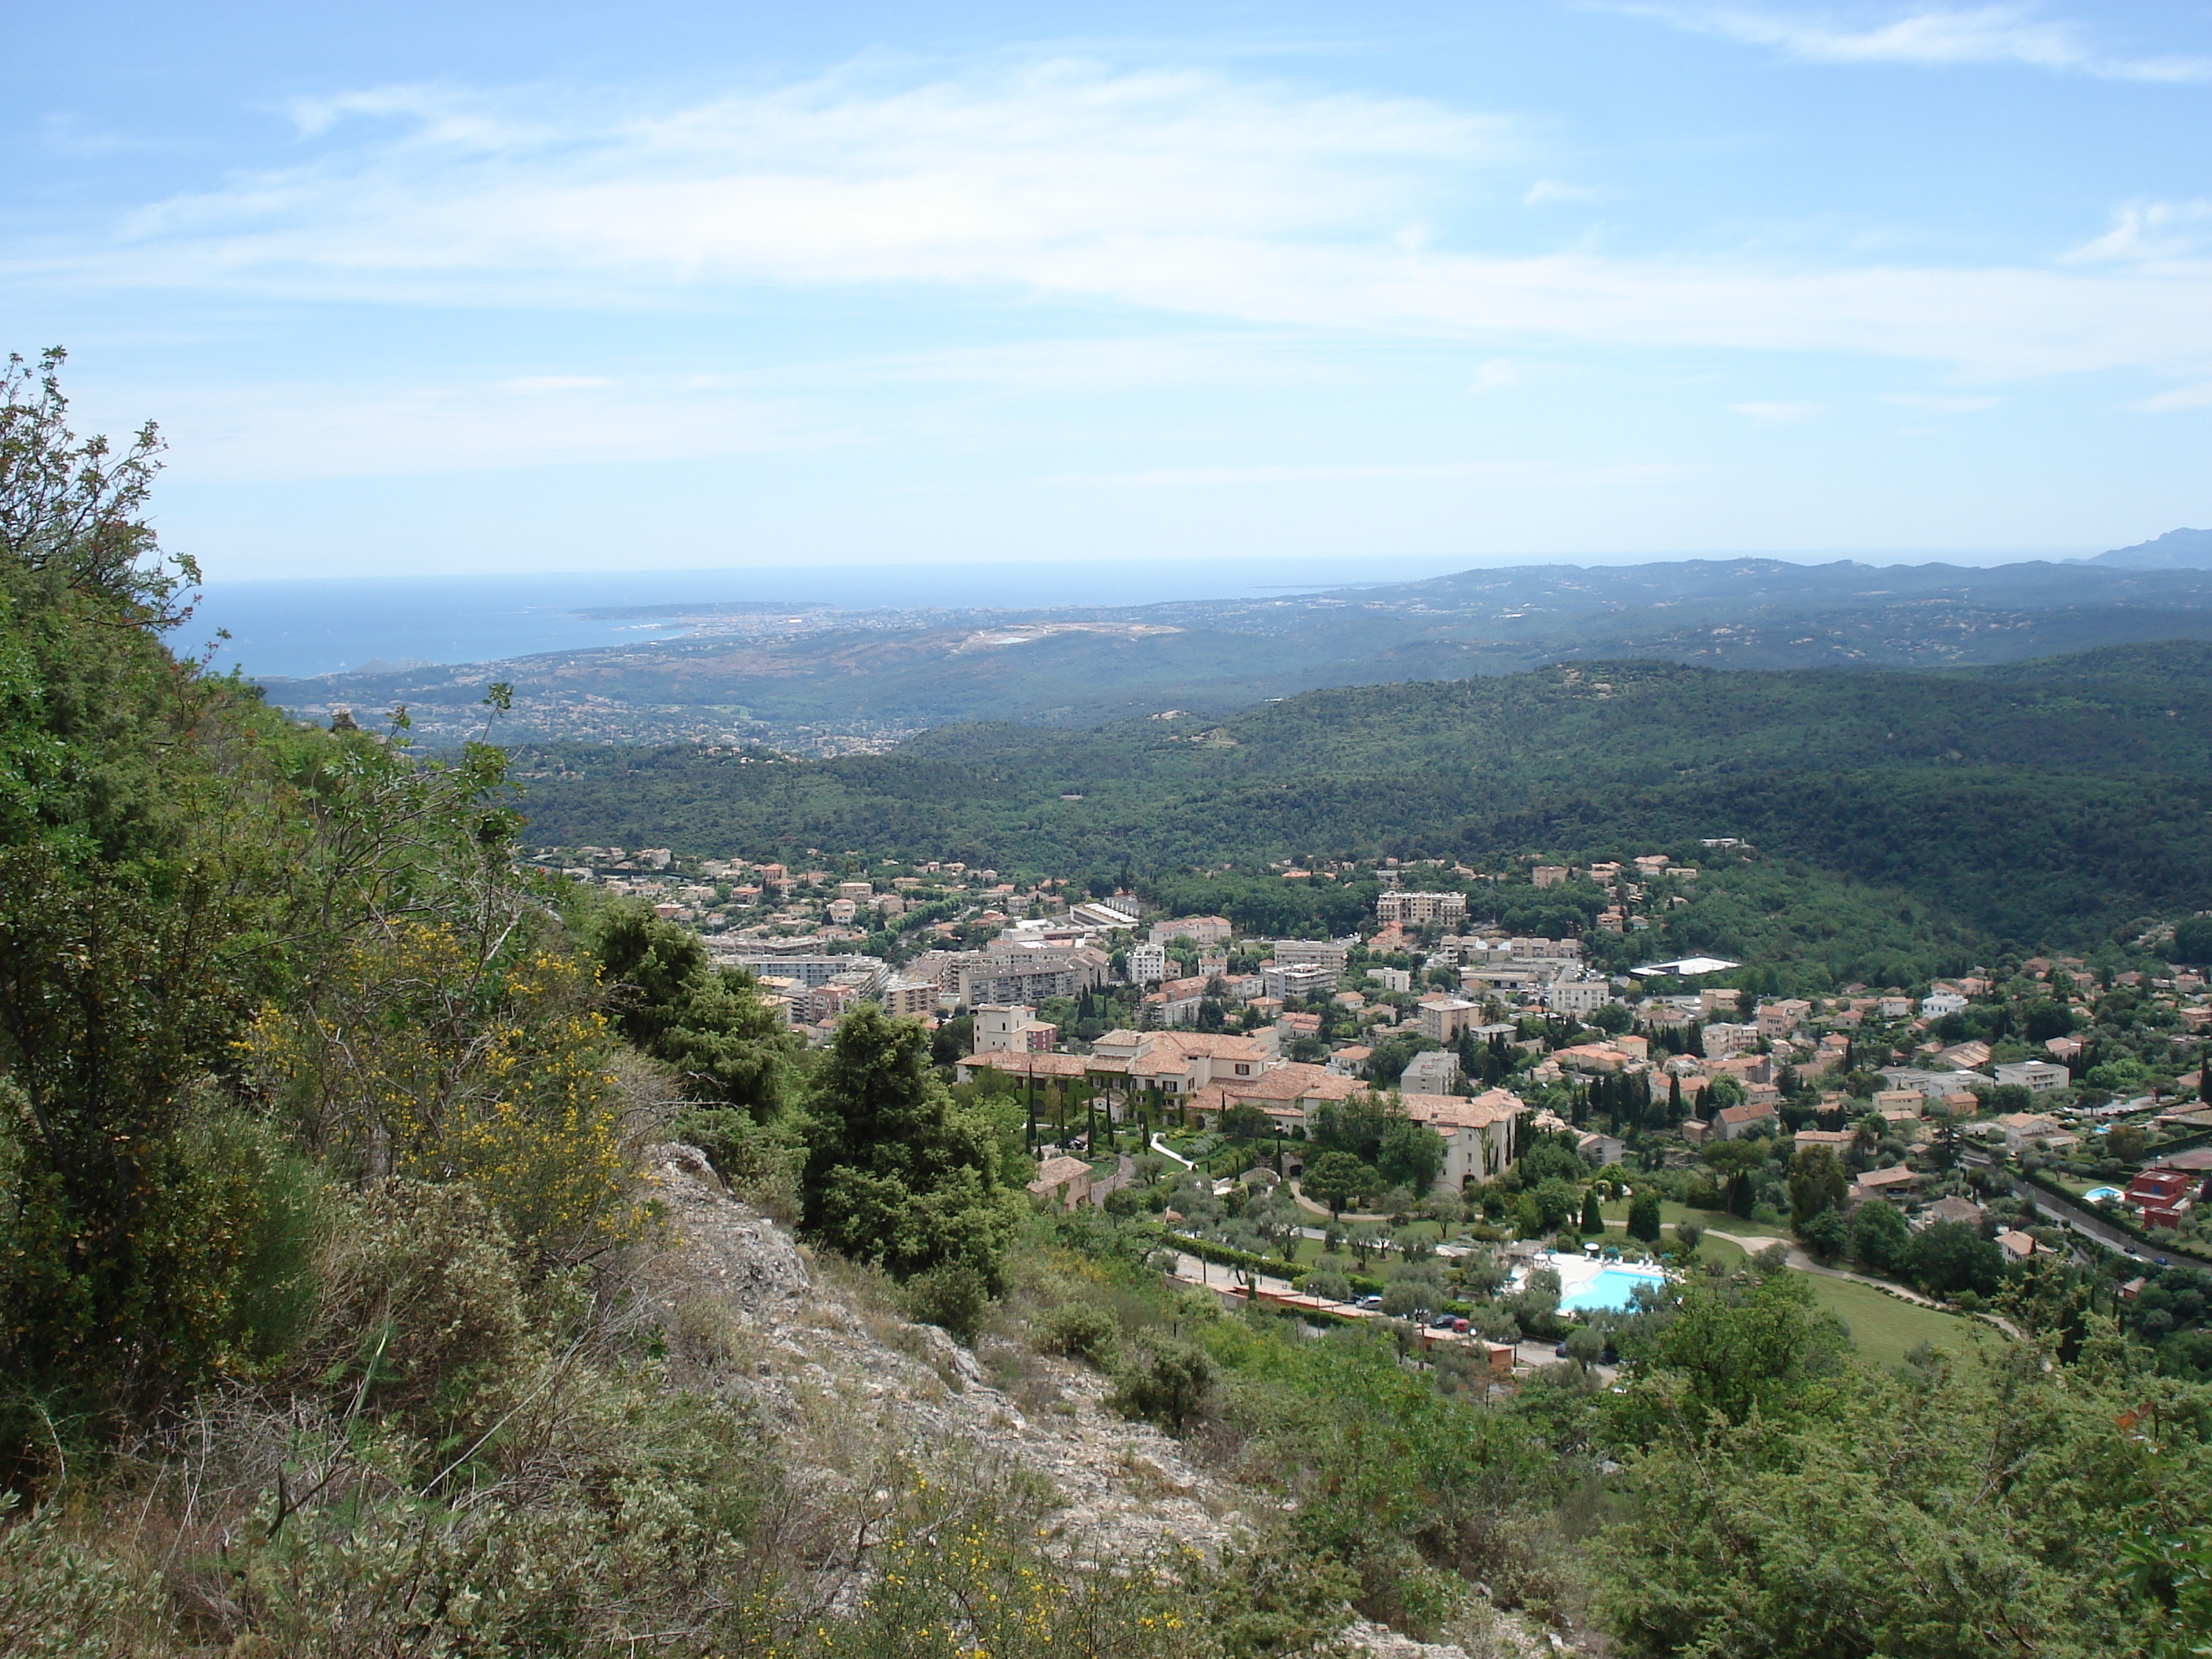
(1199, 930)
(1420, 909)
(1578, 996)
(2038, 1077)
(1298, 979)
(1011, 1028)
(1148, 963)
(1317, 952)
(1721, 1039)
(1432, 1071)
(1940, 1005)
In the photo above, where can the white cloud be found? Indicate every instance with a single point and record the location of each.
(328, 431)
(1933, 403)
(2151, 232)
(1495, 373)
(1778, 414)
(1932, 36)
(1240, 202)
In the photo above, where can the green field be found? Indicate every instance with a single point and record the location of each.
(1885, 1329)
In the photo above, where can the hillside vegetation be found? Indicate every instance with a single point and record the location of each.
(372, 1287)
(2080, 784)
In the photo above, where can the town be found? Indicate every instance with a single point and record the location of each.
(1929, 1139)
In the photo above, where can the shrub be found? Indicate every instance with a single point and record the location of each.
(423, 1326)
(1168, 1384)
(1081, 1330)
(952, 1294)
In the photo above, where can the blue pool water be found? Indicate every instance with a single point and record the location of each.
(1611, 1289)
(2096, 1193)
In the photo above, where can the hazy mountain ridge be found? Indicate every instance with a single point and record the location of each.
(822, 681)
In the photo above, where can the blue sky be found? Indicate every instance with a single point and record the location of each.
(485, 288)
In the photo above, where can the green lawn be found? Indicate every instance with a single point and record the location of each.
(1884, 1329)
(1671, 1213)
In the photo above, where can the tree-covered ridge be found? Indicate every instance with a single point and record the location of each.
(2081, 784)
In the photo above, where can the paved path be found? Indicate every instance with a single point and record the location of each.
(1349, 1216)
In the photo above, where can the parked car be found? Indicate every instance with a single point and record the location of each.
(1462, 1326)
(1371, 1303)
(1560, 1352)
(1445, 1322)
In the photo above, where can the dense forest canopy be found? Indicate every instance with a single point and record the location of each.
(2047, 803)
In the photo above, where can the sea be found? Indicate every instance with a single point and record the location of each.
(297, 629)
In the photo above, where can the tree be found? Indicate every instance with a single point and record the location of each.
(1947, 1257)
(1245, 1121)
(1643, 1216)
(1356, 1125)
(898, 1173)
(1593, 1215)
(1817, 1184)
(1334, 1178)
(711, 1025)
(1880, 1552)
(1879, 1235)
(2192, 941)
(1755, 1354)
(1557, 1202)
(1733, 1162)
(1411, 1155)
(1826, 1235)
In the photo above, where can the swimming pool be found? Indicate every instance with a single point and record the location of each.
(2098, 1194)
(1611, 1288)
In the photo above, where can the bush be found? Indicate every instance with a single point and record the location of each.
(758, 1162)
(952, 1296)
(423, 1325)
(1080, 1330)
(1169, 1385)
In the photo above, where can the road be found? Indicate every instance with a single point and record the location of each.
(2081, 1221)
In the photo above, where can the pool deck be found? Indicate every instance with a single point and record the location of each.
(1577, 1273)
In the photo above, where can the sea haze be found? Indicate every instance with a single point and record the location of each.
(297, 630)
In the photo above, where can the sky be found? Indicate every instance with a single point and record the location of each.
(490, 288)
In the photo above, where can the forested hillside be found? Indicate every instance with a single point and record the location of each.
(2045, 802)
(375, 1283)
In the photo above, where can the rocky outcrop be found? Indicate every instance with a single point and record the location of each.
(742, 1310)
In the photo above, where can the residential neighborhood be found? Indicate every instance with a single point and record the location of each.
(1117, 1025)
